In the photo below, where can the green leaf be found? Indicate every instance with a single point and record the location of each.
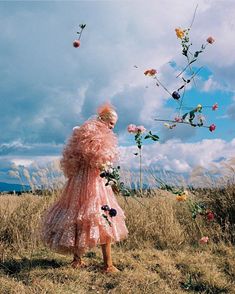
(196, 54)
(184, 116)
(155, 137)
(192, 115)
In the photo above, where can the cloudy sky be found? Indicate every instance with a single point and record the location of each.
(47, 86)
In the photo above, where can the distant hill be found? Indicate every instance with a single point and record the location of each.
(6, 187)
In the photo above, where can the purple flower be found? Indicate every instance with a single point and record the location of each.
(112, 212)
(105, 207)
(176, 95)
(103, 174)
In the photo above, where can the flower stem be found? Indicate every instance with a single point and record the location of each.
(80, 34)
(177, 122)
(162, 86)
(197, 225)
(140, 153)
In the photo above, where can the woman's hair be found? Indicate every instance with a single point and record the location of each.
(106, 111)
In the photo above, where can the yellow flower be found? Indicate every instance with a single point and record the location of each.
(179, 33)
(199, 107)
(182, 196)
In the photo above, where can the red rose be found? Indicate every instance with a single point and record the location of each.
(76, 43)
(150, 72)
(210, 216)
(215, 106)
(212, 127)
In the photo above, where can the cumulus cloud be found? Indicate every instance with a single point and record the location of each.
(179, 157)
(15, 146)
(23, 149)
(50, 86)
(231, 110)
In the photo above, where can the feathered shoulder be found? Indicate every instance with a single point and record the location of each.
(92, 144)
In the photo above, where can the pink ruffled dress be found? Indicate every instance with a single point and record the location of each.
(75, 222)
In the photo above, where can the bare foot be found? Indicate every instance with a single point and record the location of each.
(110, 269)
(78, 263)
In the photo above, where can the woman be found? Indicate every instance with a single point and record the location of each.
(77, 221)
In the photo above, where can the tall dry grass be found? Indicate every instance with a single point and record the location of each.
(158, 220)
(161, 255)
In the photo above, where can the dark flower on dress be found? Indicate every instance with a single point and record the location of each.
(112, 212)
(103, 174)
(105, 207)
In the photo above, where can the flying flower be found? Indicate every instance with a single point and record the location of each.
(176, 95)
(210, 40)
(204, 240)
(215, 106)
(132, 128)
(150, 72)
(212, 127)
(179, 33)
(140, 129)
(199, 107)
(178, 119)
(76, 43)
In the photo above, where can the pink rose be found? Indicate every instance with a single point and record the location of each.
(132, 128)
(215, 106)
(141, 129)
(204, 240)
(76, 43)
(212, 127)
(210, 40)
(178, 119)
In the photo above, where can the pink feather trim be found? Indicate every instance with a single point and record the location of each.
(92, 144)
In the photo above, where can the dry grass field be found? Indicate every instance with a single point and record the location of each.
(161, 255)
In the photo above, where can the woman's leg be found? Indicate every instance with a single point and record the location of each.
(108, 263)
(77, 260)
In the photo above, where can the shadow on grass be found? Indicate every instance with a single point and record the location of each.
(13, 266)
(193, 284)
